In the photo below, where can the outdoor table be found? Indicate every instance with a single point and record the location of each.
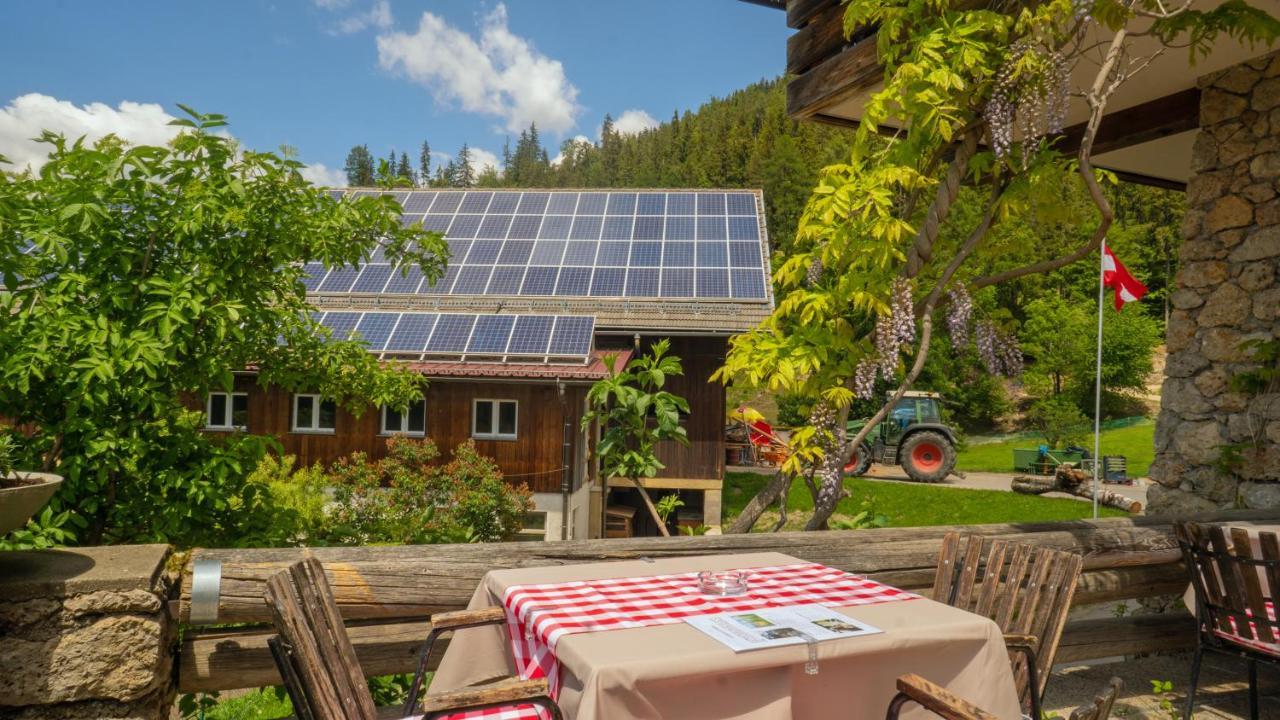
(675, 671)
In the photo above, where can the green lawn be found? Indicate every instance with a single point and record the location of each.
(1137, 443)
(254, 705)
(908, 505)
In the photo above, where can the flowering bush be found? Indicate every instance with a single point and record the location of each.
(407, 497)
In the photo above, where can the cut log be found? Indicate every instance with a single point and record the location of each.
(1074, 482)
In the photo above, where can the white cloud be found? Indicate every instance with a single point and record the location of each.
(331, 4)
(634, 121)
(378, 16)
(498, 73)
(324, 176)
(26, 116)
(481, 159)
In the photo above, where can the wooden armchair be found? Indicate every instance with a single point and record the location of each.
(935, 699)
(1235, 585)
(1026, 590)
(323, 677)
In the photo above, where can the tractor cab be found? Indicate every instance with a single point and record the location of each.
(913, 436)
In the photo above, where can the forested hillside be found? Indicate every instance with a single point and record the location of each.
(746, 140)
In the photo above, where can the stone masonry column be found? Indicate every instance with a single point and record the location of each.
(1227, 292)
(85, 633)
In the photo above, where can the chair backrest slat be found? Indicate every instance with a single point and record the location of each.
(1025, 590)
(1254, 600)
(325, 666)
(992, 583)
(944, 580)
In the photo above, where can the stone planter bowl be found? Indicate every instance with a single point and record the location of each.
(19, 504)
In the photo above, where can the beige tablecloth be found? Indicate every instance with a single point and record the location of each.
(675, 671)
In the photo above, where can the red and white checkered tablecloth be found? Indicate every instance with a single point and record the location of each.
(539, 615)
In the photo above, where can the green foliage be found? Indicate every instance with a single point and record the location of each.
(793, 409)
(1264, 378)
(47, 530)
(866, 519)
(1058, 420)
(636, 412)
(137, 276)
(972, 397)
(409, 498)
(667, 505)
(8, 452)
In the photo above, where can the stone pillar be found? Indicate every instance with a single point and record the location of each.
(1227, 292)
(85, 633)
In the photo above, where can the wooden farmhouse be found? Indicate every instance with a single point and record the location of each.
(542, 286)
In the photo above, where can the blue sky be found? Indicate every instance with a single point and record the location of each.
(322, 75)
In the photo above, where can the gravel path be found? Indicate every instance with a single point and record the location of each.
(1000, 481)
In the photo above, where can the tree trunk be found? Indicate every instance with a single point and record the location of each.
(1075, 482)
(653, 510)
(758, 504)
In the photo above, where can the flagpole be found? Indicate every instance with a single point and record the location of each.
(1097, 385)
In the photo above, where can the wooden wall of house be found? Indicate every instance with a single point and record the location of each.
(534, 457)
(704, 456)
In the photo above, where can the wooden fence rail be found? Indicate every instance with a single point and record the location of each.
(390, 592)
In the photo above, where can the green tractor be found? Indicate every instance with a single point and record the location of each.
(913, 436)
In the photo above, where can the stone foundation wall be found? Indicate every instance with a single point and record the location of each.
(1227, 292)
(85, 633)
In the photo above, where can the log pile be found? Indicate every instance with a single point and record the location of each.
(1068, 479)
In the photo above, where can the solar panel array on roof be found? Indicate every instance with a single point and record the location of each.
(515, 337)
(628, 244)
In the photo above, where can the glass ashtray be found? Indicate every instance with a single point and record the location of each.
(723, 582)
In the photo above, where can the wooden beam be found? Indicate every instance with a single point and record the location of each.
(659, 483)
(1151, 120)
(218, 659)
(416, 581)
(816, 41)
(1130, 635)
(850, 71)
(802, 12)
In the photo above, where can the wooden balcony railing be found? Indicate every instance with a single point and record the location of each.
(389, 593)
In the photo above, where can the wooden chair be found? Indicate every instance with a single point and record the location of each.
(935, 699)
(1026, 590)
(323, 677)
(1235, 597)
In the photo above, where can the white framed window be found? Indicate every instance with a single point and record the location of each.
(410, 422)
(532, 527)
(313, 414)
(226, 411)
(493, 419)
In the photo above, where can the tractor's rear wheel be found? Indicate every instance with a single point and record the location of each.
(859, 462)
(927, 456)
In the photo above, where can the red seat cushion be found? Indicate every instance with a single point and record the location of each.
(1252, 642)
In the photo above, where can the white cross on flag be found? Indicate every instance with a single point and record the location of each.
(1116, 276)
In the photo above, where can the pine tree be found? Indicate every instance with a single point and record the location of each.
(464, 174)
(359, 167)
(404, 169)
(424, 164)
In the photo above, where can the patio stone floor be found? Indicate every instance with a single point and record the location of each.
(1223, 693)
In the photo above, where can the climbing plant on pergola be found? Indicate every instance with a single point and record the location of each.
(974, 95)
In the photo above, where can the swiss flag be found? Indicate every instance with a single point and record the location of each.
(1116, 276)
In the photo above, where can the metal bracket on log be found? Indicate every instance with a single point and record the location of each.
(206, 588)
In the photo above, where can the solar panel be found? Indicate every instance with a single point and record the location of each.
(572, 335)
(531, 335)
(373, 279)
(340, 324)
(375, 328)
(451, 334)
(626, 243)
(411, 333)
(340, 280)
(491, 334)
